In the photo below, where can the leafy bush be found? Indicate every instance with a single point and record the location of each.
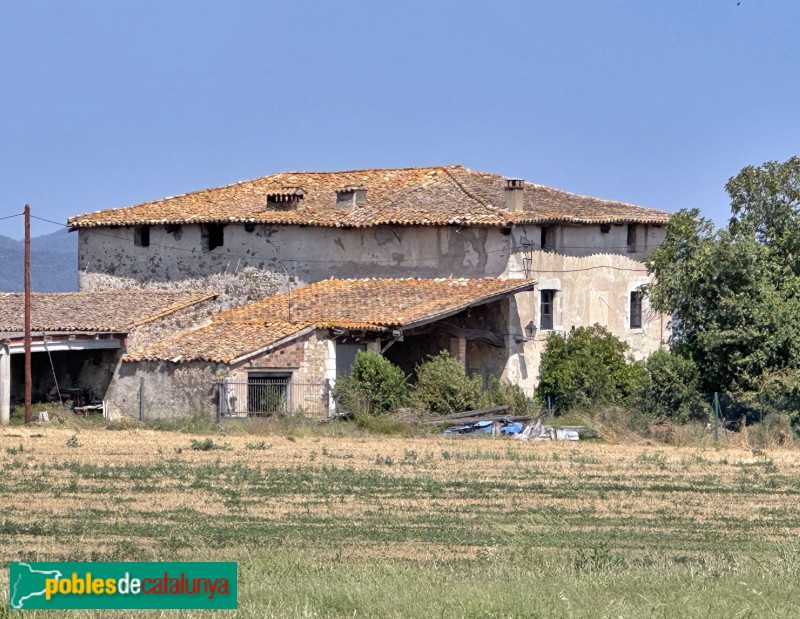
(443, 387)
(505, 393)
(206, 444)
(670, 389)
(585, 368)
(779, 393)
(375, 385)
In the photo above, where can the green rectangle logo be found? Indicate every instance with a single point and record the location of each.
(133, 585)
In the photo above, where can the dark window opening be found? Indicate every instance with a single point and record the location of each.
(141, 236)
(267, 394)
(546, 309)
(213, 236)
(631, 237)
(605, 228)
(544, 238)
(636, 310)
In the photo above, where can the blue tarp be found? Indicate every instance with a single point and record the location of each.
(508, 427)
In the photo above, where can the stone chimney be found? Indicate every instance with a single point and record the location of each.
(514, 194)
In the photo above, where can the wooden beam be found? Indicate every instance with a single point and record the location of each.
(472, 335)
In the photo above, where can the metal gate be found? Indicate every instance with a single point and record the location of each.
(265, 396)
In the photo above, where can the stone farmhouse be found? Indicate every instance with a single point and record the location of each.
(309, 267)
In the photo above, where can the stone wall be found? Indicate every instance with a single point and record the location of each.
(232, 289)
(152, 332)
(171, 390)
(307, 361)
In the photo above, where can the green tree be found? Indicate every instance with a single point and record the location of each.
(733, 293)
(443, 387)
(670, 389)
(765, 204)
(586, 367)
(375, 385)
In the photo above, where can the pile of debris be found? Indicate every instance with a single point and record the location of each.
(491, 421)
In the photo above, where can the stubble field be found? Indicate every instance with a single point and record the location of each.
(417, 527)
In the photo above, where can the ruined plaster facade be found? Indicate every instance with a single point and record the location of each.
(172, 390)
(592, 270)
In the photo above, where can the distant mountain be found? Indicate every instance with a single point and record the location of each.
(54, 263)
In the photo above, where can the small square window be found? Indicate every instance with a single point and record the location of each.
(546, 309)
(141, 236)
(636, 310)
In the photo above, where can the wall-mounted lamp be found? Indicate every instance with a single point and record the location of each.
(530, 333)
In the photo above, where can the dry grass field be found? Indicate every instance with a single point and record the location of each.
(360, 526)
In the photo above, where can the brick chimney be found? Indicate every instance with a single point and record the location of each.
(514, 194)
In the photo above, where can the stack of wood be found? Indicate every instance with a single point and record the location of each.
(492, 413)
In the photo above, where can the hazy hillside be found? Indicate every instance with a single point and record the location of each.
(54, 263)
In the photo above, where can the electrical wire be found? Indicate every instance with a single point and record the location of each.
(12, 216)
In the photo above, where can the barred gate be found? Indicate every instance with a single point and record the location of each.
(273, 396)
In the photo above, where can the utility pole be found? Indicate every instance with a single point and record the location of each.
(28, 381)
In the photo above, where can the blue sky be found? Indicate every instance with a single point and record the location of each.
(108, 103)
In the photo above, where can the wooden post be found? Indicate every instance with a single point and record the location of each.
(28, 380)
(5, 386)
(141, 399)
(458, 350)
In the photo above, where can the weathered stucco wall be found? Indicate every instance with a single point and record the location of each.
(299, 254)
(592, 268)
(171, 390)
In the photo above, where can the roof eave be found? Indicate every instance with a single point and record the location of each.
(529, 285)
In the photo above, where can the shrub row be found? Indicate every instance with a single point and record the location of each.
(376, 386)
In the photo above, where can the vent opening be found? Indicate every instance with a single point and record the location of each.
(351, 196)
(285, 198)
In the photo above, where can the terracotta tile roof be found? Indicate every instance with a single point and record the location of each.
(447, 195)
(358, 304)
(101, 312)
